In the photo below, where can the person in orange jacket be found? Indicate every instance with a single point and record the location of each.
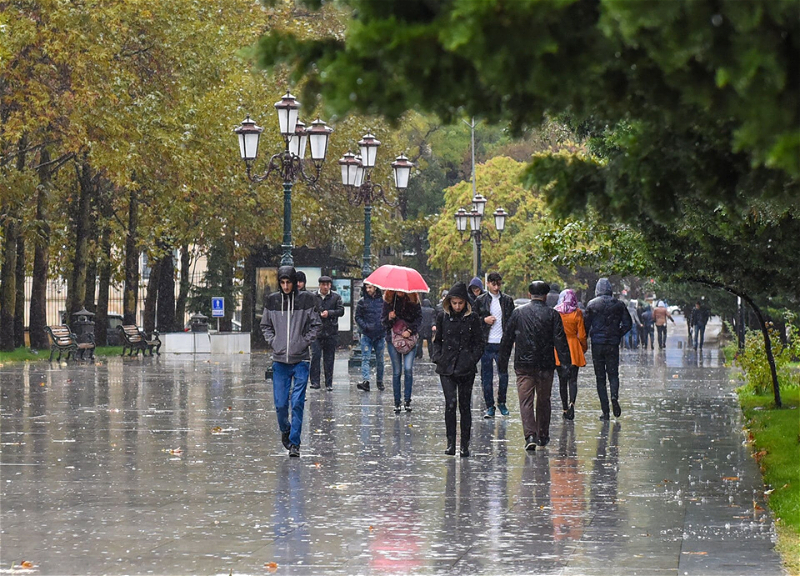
(575, 330)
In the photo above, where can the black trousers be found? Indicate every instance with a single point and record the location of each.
(662, 336)
(458, 393)
(567, 384)
(325, 348)
(429, 339)
(605, 358)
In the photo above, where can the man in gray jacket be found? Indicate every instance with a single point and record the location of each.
(290, 324)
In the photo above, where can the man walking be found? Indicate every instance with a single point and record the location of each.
(290, 324)
(698, 321)
(331, 309)
(426, 328)
(495, 308)
(607, 321)
(368, 318)
(536, 330)
(660, 317)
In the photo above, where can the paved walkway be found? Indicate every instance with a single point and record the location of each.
(175, 466)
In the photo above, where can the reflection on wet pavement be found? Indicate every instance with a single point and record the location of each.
(175, 466)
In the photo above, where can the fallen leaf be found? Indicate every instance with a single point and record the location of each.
(26, 564)
(696, 553)
(730, 478)
(216, 430)
(371, 528)
(176, 451)
(271, 566)
(230, 407)
(41, 383)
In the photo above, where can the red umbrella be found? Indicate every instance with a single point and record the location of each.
(398, 278)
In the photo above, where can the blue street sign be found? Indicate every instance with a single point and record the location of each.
(217, 307)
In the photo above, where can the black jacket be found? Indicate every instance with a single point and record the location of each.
(405, 310)
(699, 317)
(368, 315)
(607, 319)
(458, 342)
(536, 330)
(428, 319)
(485, 304)
(333, 304)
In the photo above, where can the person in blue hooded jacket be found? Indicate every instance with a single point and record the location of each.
(607, 321)
(368, 318)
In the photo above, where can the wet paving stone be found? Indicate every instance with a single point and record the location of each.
(175, 466)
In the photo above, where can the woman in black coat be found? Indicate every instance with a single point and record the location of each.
(457, 347)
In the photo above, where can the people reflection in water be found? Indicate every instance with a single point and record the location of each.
(567, 488)
(603, 492)
(292, 537)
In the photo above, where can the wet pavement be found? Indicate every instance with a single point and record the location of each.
(175, 466)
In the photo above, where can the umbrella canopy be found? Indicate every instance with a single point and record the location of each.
(398, 278)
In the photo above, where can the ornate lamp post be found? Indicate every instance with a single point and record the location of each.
(356, 178)
(475, 217)
(290, 162)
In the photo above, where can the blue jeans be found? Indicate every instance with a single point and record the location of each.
(632, 337)
(490, 355)
(368, 346)
(699, 329)
(290, 379)
(402, 363)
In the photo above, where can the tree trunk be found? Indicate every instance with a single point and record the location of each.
(776, 390)
(91, 284)
(149, 320)
(225, 323)
(131, 293)
(76, 293)
(8, 279)
(165, 311)
(101, 320)
(19, 309)
(248, 292)
(185, 286)
(41, 257)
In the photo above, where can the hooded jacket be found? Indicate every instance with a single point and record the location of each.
(368, 314)
(333, 304)
(458, 343)
(607, 319)
(534, 329)
(290, 322)
(470, 296)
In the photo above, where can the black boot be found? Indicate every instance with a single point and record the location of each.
(464, 449)
(408, 405)
(451, 447)
(381, 387)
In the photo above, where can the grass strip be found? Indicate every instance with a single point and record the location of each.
(775, 434)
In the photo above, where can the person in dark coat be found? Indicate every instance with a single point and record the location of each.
(534, 330)
(290, 323)
(401, 307)
(495, 309)
(331, 309)
(368, 318)
(607, 320)
(474, 289)
(426, 328)
(457, 347)
(552, 296)
(698, 321)
(301, 281)
(648, 329)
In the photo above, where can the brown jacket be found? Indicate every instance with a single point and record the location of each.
(660, 315)
(575, 330)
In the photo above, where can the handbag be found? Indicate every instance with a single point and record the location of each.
(402, 344)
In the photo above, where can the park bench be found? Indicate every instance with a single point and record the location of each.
(64, 340)
(134, 340)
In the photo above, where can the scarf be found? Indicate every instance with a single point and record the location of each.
(567, 302)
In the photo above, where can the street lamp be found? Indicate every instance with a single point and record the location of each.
(290, 162)
(356, 178)
(475, 218)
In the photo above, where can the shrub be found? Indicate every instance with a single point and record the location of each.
(754, 364)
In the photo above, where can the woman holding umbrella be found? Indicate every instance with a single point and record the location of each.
(402, 317)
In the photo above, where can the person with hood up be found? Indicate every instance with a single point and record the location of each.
(457, 347)
(553, 296)
(646, 316)
(331, 308)
(534, 330)
(301, 281)
(660, 317)
(575, 331)
(401, 314)
(495, 309)
(608, 321)
(426, 328)
(475, 290)
(290, 324)
(632, 337)
(368, 318)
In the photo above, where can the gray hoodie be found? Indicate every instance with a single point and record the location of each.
(291, 322)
